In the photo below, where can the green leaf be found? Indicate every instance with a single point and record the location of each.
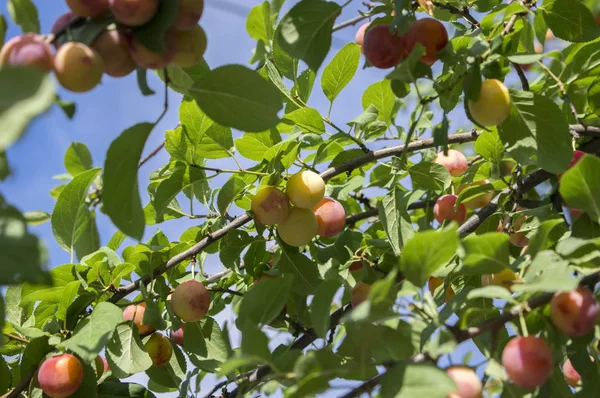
(395, 218)
(547, 235)
(419, 261)
(70, 293)
(25, 14)
(238, 97)
(35, 351)
(580, 187)
(152, 34)
(232, 188)
(125, 351)
(265, 301)
(121, 197)
(93, 337)
(485, 253)
(305, 272)
(181, 179)
(305, 32)
(3, 28)
(537, 126)
(68, 107)
(205, 339)
(70, 215)
(171, 374)
(340, 71)
(25, 94)
(570, 20)
(489, 146)
(320, 307)
(78, 159)
(114, 389)
(381, 96)
(142, 80)
(416, 380)
(547, 273)
(431, 176)
(254, 145)
(36, 217)
(2, 318)
(5, 375)
(89, 241)
(259, 24)
(308, 119)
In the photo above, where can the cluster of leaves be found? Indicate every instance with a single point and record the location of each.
(76, 307)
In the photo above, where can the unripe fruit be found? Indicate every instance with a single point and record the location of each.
(503, 278)
(430, 33)
(528, 361)
(189, 13)
(469, 385)
(299, 228)
(574, 313)
(455, 162)
(27, 50)
(444, 210)
(480, 201)
(331, 217)
(77, 67)
(572, 376)
(435, 282)
(270, 206)
(151, 60)
(88, 8)
(493, 105)
(113, 47)
(577, 155)
(305, 189)
(190, 47)
(134, 12)
(359, 294)
(190, 301)
(60, 376)
(518, 238)
(177, 336)
(159, 348)
(382, 49)
(360, 34)
(138, 310)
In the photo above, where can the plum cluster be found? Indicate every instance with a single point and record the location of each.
(115, 52)
(311, 214)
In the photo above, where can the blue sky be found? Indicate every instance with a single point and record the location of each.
(117, 104)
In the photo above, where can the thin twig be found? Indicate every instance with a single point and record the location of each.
(522, 77)
(151, 154)
(464, 12)
(225, 290)
(15, 338)
(22, 386)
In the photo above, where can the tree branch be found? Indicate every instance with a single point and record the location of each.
(456, 11)
(22, 386)
(151, 154)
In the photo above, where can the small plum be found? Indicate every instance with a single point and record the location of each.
(481, 200)
(574, 313)
(138, 310)
(444, 210)
(159, 348)
(113, 47)
(177, 336)
(60, 376)
(518, 238)
(331, 217)
(61, 23)
(493, 106)
(77, 67)
(455, 162)
(145, 58)
(190, 301)
(299, 228)
(383, 49)
(133, 12)
(305, 189)
(190, 47)
(359, 294)
(430, 33)
(469, 385)
(189, 14)
(528, 361)
(572, 376)
(88, 8)
(360, 34)
(504, 278)
(27, 50)
(577, 155)
(270, 206)
(435, 282)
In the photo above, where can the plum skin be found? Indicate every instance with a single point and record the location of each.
(435, 282)
(159, 348)
(134, 12)
(138, 310)
(28, 50)
(305, 189)
(480, 201)
(270, 206)
(60, 376)
(383, 49)
(574, 313)
(190, 47)
(77, 67)
(469, 385)
(528, 361)
(177, 336)
(493, 106)
(577, 155)
(190, 301)
(190, 12)
(359, 294)
(88, 8)
(430, 33)
(499, 278)
(113, 47)
(145, 58)
(572, 376)
(299, 228)
(444, 210)
(455, 162)
(331, 217)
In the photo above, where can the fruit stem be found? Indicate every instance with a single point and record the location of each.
(523, 325)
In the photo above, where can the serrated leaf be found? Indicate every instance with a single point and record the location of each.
(381, 96)
(254, 145)
(416, 380)
(570, 20)
(431, 176)
(485, 253)
(182, 178)
(340, 71)
(489, 146)
(394, 216)
(78, 159)
(320, 307)
(233, 187)
(580, 186)
(265, 301)
(206, 340)
(308, 119)
(126, 351)
(305, 272)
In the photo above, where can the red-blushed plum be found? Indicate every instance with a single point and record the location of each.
(27, 50)
(99, 364)
(430, 33)
(455, 162)
(145, 58)
(177, 336)
(190, 301)
(359, 294)
(493, 105)
(504, 278)
(61, 23)
(572, 376)
(113, 47)
(444, 210)
(133, 12)
(60, 376)
(77, 67)
(270, 206)
(359, 38)
(88, 8)
(331, 217)
(469, 385)
(159, 348)
(299, 228)
(577, 155)
(383, 49)
(574, 313)
(518, 238)
(356, 266)
(435, 282)
(305, 189)
(528, 361)
(480, 201)
(189, 13)
(190, 46)
(138, 310)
